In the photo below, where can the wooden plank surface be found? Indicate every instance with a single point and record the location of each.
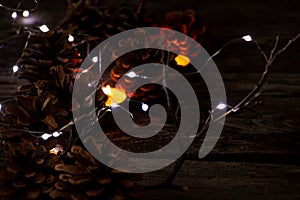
(229, 180)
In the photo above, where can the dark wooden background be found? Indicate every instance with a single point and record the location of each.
(258, 154)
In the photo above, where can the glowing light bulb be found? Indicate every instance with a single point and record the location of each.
(26, 13)
(15, 68)
(44, 28)
(57, 149)
(115, 96)
(145, 107)
(131, 74)
(95, 59)
(56, 134)
(247, 38)
(221, 106)
(14, 15)
(71, 38)
(182, 60)
(106, 90)
(46, 136)
(0, 106)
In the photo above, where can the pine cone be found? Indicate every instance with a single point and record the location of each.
(82, 177)
(50, 63)
(94, 19)
(187, 22)
(30, 172)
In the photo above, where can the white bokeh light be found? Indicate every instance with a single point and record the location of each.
(15, 68)
(46, 136)
(131, 74)
(145, 107)
(44, 28)
(95, 59)
(56, 134)
(26, 13)
(221, 106)
(71, 38)
(247, 38)
(14, 15)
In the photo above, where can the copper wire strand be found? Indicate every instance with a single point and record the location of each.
(21, 10)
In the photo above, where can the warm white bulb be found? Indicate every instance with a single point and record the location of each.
(0, 106)
(46, 136)
(15, 68)
(44, 28)
(145, 107)
(95, 59)
(131, 74)
(247, 38)
(14, 15)
(57, 149)
(221, 106)
(56, 134)
(71, 38)
(25, 13)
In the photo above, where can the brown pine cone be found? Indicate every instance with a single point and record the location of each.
(94, 19)
(82, 177)
(187, 22)
(29, 173)
(50, 62)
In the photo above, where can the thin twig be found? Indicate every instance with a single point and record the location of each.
(21, 10)
(275, 47)
(168, 182)
(286, 46)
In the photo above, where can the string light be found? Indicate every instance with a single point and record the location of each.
(114, 95)
(131, 74)
(26, 13)
(71, 38)
(56, 134)
(134, 75)
(14, 15)
(46, 136)
(255, 92)
(95, 59)
(44, 28)
(20, 10)
(221, 106)
(0, 107)
(182, 60)
(15, 68)
(247, 38)
(145, 107)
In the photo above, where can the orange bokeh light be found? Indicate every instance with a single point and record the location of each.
(115, 96)
(182, 60)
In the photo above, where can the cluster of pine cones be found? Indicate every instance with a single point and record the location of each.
(50, 63)
(34, 172)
